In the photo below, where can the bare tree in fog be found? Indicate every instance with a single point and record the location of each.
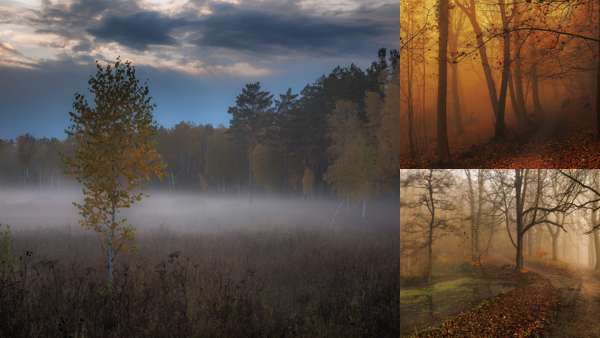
(115, 153)
(432, 186)
(475, 198)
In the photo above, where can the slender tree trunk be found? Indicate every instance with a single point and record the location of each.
(480, 192)
(455, 87)
(500, 127)
(411, 113)
(517, 74)
(518, 80)
(363, 213)
(430, 249)
(513, 95)
(591, 252)
(456, 109)
(443, 148)
(597, 250)
(110, 254)
(555, 246)
(430, 233)
(531, 236)
(520, 193)
(535, 91)
(519, 258)
(250, 174)
(471, 13)
(472, 207)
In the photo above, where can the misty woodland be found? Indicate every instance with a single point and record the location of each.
(522, 244)
(499, 84)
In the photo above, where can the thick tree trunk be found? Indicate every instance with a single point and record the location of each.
(443, 148)
(519, 256)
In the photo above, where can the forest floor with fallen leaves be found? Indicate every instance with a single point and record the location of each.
(553, 301)
(556, 144)
(579, 149)
(525, 311)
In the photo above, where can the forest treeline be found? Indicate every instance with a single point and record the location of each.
(339, 134)
(475, 70)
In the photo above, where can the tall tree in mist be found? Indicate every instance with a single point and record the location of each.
(432, 187)
(457, 23)
(249, 118)
(443, 148)
(352, 171)
(475, 197)
(531, 208)
(25, 151)
(114, 153)
(498, 101)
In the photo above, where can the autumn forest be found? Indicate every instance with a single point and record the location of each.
(499, 83)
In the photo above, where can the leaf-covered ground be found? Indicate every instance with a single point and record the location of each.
(522, 312)
(574, 150)
(525, 149)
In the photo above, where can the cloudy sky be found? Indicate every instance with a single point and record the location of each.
(196, 54)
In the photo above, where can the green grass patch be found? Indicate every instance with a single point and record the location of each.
(409, 295)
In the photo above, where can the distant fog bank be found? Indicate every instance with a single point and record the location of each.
(28, 209)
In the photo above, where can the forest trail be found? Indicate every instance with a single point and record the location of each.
(579, 318)
(579, 303)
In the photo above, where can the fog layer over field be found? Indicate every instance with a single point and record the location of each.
(28, 209)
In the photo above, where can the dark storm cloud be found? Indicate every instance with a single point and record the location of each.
(258, 31)
(137, 30)
(71, 20)
(274, 27)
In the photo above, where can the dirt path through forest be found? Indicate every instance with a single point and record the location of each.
(580, 303)
(580, 317)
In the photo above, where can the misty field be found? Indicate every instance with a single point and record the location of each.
(201, 267)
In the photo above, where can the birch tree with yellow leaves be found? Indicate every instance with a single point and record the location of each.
(114, 155)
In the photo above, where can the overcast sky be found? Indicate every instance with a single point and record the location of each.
(196, 54)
